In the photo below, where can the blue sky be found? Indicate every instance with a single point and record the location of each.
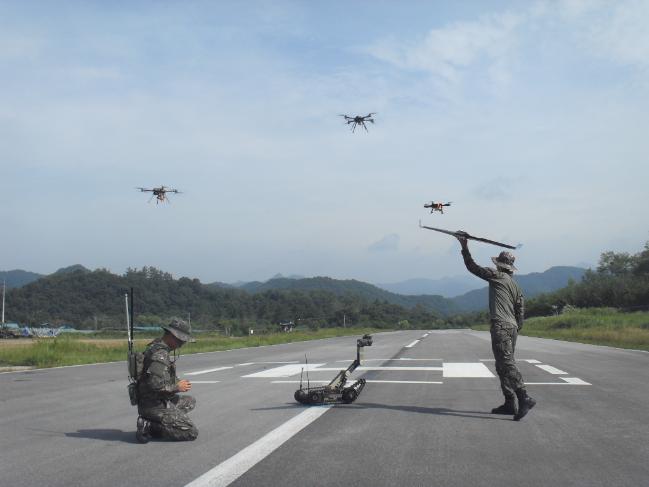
(529, 116)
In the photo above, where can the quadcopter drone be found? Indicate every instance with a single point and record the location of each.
(437, 206)
(359, 120)
(159, 193)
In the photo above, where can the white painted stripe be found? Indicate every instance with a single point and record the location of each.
(394, 359)
(247, 363)
(412, 344)
(475, 369)
(528, 360)
(373, 381)
(232, 468)
(205, 381)
(576, 381)
(291, 362)
(552, 370)
(207, 371)
(370, 367)
(286, 370)
(304, 382)
(425, 335)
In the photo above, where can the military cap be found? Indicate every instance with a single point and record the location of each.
(180, 329)
(505, 260)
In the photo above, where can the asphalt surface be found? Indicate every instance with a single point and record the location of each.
(430, 425)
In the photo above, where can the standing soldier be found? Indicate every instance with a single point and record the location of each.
(163, 413)
(506, 313)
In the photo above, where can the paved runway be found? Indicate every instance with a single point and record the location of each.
(423, 419)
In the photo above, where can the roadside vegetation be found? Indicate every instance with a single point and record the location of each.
(597, 326)
(78, 349)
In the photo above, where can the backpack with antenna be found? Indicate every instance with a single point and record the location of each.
(134, 360)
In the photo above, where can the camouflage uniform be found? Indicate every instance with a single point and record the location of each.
(158, 401)
(506, 307)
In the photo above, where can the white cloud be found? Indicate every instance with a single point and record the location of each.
(446, 52)
(623, 36)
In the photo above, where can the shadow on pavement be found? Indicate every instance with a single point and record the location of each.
(105, 434)
(425, 410)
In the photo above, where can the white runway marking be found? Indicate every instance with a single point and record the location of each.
(410, 345)
(576, 381)
(286, 370)
(205, 381)
(368, 381)
(207, 371)
(290, 362)
(552, 370)
(393, 359)
(424, 335)
(404, 382)
(370, 367)
(304, 382)
(531, 361)
(474, 369)
(231, 469)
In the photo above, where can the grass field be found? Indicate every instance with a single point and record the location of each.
(597, 326)
(76, 350)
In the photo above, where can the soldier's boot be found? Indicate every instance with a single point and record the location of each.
(143, 432)
(156, 430)
(508, 408)
(525, 403)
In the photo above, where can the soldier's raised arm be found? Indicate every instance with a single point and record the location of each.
(482, 272)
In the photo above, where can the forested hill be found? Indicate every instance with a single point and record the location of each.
(18, 278)
(532, 285)
(96, 298)
(621, 280)
(342, 287)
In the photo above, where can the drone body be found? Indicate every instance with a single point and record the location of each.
(359, 120)
(159, 193)
(437, 206)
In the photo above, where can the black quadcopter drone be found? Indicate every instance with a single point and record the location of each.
(359, 120)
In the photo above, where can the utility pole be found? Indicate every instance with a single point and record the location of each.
(344, 320)
(4, 288)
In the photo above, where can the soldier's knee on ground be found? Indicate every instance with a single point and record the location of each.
(178, 427)
(187, 403)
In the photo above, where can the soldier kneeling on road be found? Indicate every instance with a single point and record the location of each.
(163, 412)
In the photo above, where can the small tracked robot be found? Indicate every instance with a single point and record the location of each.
(335, 392)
